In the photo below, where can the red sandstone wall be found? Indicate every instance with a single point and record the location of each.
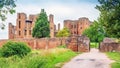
(109, 47)
(2, 42)
(42, 43)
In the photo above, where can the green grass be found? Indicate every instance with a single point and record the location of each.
(114, 56)
(94, 45)
(62, 46)
(52, 58)
(116, 64)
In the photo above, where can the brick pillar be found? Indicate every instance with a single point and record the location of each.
(51, 25)
(11, 31)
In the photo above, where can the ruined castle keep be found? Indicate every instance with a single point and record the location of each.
(24, 26)
(77, 27)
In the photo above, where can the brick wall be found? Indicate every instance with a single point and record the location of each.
(109, 47)
(2, 42)
(77, 27)
(78, 43)
(42, 43)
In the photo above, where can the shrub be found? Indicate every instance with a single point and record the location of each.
(14, 48)
(0, 52)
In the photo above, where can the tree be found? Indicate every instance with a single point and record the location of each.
(6, 6)
(95, 32)
(63, 33)
(41, 28)
(2, 26)
(110, 16)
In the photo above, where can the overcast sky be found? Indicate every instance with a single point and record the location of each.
(61, 9)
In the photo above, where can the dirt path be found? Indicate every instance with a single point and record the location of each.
(92, 59)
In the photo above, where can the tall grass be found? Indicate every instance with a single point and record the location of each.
(114, 56)
(52, 58)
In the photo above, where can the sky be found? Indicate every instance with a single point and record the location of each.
(61, 9)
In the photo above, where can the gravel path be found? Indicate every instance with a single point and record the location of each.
(92, 59)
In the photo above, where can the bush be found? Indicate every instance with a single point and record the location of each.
(14, 48)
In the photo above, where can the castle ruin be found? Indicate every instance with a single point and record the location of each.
(24, 26)
(77, 27)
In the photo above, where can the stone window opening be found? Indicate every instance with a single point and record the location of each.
(29, 32)
(80, 27)
(74, 26)
(19, 33)
(25, 32)
(19, 24)
(74, 32)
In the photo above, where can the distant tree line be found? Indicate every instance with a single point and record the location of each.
(108, 23)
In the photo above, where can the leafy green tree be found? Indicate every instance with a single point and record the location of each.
(95, 32)
(6, 6)
(110, 16)
(41, 28)
(63, 33)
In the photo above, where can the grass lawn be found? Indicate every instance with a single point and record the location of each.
(114, 56)
(52, 58)
(94, 45)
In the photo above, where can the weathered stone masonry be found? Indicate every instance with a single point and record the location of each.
(42, 43)
(24, 26)
(77, 27)
(78, 43)
(109, 45)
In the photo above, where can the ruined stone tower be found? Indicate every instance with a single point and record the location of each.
(23, 28)
(20, 25)
(77, 27)
(52, 29)
(11, 31)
